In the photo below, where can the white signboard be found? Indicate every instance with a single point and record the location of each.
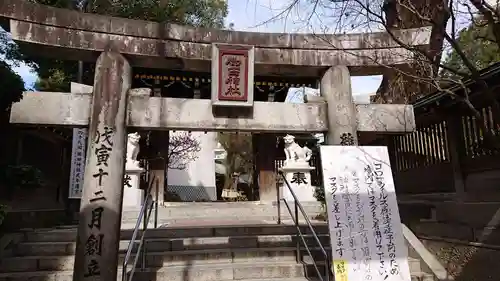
(77, 163)
(363, 216)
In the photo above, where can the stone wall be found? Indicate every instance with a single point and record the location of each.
(466, 263)
(465, 237)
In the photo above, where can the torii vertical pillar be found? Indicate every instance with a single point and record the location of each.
(342, 123)
(158, 165)
(101, 204)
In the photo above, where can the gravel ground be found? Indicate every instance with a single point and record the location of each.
(467, 263)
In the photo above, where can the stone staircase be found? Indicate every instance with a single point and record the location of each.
(255, 212)
(209, 251)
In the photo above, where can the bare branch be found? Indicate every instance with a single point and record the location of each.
(183, 148)
(426, 72)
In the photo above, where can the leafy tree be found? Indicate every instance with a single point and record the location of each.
(239, 158)
(12, 87)
(10, 92)
(479, 49)
(56, 75)
(200, 13)
(12, 84)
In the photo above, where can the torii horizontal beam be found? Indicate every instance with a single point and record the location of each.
(155, 113)
(73, 35)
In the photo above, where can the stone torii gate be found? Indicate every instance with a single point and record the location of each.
(113, 106)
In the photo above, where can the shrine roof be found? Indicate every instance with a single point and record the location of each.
(70, 34)
(442, 99)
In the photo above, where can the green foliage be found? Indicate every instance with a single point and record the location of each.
(12, 84)
(319, 194)
(200, 13)
(56, 80)
(56, 75)
(68, 4)
(239, 158)
(478, 45)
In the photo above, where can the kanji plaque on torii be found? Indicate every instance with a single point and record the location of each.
(232, 75)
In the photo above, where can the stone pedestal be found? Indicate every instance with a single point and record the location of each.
(133, 195)
(299, 178)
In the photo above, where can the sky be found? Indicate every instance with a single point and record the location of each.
(265, 16)
(249, 15)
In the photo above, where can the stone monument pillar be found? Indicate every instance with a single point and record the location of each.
(101, 209)
(133, 195)
(342, 122)
(297, 171)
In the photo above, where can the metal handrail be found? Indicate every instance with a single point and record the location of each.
(144, 215)
(148, 173)
(299, 233)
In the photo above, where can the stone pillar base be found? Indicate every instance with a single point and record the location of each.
(133, 195)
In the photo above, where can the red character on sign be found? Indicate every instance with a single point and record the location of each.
(233, 77)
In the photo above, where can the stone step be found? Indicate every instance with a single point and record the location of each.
(238, 222)
(191, 258)
(129, 223)
(262, 213)
(174, 207)
(240, 212)
(158, 259)
(206, 272)
(68, 276)
(422, 276)
(69, 235)
(413, 264)
(245, 210)
(270, 219)
(160, 244)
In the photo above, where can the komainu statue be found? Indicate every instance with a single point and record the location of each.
(295, 154)
(133, 150)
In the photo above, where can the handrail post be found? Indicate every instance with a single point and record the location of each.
(156, 202)
(297, 233)
(124, 272)
(278, 199)
(327, 268)
(144, 215)
(144, 227)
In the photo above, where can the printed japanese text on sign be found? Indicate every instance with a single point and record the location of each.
(77, 163)
(364, 223)
(340, 269)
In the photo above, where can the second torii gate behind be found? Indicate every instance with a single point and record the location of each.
(338, 116)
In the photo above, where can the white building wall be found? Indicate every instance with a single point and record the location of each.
(197, 181)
